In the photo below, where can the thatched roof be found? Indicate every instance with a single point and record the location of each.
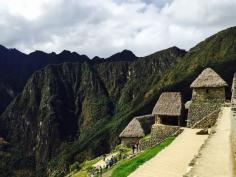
(168, 104)
(208, 78)
(138, 127)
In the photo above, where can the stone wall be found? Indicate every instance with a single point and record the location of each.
(233, 122)
(158, 134)
(207, 121)
(233, 89)
(129, 141)
(202, 94)
(233, 136)
(200, 109)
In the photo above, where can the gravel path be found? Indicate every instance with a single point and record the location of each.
(173, 161)
(216, 156)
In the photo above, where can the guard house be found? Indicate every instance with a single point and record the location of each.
(136, 129)
(168, 109)
(208, 86)
(207, 97)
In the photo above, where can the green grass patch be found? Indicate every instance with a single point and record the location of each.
(126, 167)
(80, 174)
(89, 163)
(146, 138)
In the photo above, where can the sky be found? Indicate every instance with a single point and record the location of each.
(104, 27)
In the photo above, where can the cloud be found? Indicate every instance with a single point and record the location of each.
(108, 26)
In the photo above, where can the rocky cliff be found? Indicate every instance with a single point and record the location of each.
(17, 67)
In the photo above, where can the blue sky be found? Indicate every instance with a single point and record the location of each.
(104, 27)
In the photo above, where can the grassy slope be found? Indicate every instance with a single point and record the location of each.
(126, 167)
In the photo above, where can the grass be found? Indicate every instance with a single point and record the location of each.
(80, 174)
(86, 165)
(90, 163)
(126, 167)
(145, 138)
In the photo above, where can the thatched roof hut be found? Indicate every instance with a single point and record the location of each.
(208, 79)
(169, 104)
(208, 94)
(138, 127)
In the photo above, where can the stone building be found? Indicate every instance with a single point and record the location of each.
(137, 129)
(168, 116)
(168, 109)
(208, 85)
(233, 90)
(207, 96)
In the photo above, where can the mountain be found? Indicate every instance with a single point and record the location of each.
(62, 106)
(75, 111)
(17, 67)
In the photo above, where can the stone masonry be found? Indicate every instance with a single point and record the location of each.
(159, 133)
(200, 109)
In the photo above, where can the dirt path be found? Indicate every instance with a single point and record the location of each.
(173, 161)
(216, 157)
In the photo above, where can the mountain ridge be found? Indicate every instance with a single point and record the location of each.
(16, 67)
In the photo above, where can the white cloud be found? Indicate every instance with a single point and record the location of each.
(103, 27)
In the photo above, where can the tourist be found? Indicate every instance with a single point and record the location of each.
(110, 162)
(100, 171)
(133, 148)
(114, 160)
(104, 157)
(107, 163)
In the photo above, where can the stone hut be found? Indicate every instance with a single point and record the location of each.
(168, 109)
(208, 85)
(137, 129)
(207, 96)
